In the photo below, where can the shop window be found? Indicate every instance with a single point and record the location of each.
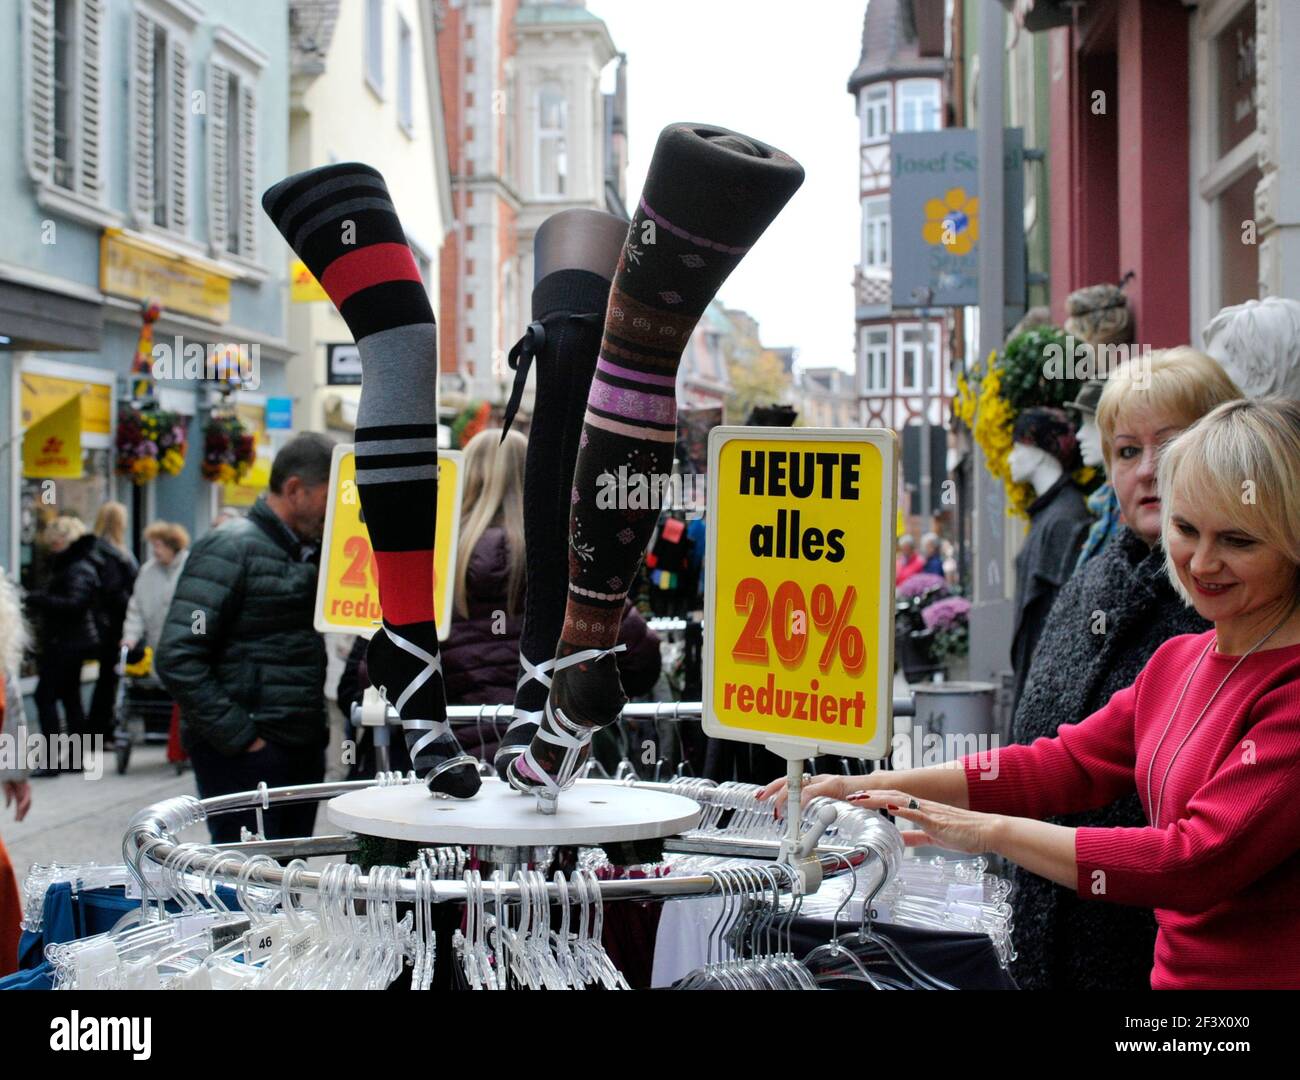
(1239, 261)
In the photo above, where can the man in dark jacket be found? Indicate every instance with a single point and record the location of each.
(238, 650)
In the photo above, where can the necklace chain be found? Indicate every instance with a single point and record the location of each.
(1164, 779)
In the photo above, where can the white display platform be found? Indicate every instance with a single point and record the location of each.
(588, 813)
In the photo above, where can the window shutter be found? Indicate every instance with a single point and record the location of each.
(142, 120)
(178, 144)
(89, 175)
(218, 78)
(40, 89)
(247, 194)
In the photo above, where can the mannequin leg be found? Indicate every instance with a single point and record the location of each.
(709, 195)
(340, 221)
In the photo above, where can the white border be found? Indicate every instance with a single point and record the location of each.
(793, 747)
(323, 624)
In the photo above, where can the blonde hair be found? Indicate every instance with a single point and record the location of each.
(169, 533)
(1180, 383)
(110, 524)
(14, 634)
(66, 527)
(1243, 461)
(494, 495)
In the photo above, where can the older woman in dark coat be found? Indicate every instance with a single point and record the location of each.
(1106, 622)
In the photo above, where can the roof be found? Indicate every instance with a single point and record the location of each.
(560, 13)
(890, 47)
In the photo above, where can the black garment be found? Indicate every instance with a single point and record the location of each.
(1106, 622)
(280, 766)
(65, 607)
(117, 572)
(238, 651)
(1059, 522)
(59, 683)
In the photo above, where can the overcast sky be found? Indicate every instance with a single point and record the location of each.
(776, 71)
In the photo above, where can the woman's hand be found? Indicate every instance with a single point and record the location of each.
(944, 826)
(18, 792)
(827, 785)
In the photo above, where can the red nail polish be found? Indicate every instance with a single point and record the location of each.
(891, 806)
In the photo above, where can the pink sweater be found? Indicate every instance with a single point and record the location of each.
(1222, 870)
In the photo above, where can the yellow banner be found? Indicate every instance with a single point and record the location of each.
(303, 288)
(347, 591)
(132, 267)
(246, 491)
(800, 589)
(52, 445)
(41, 395)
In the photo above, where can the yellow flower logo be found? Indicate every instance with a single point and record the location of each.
(952, 221)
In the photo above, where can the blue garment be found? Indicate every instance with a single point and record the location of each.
(69, 917)
(933, 565)
(1104, 505)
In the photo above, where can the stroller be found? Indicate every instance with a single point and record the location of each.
(143, 712)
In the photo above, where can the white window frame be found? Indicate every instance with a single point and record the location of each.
(85, 201)
(372, 39)
(559, 135)
(1212, 174)
(877, 112)
(405, 77)
(178, 20)
(234, 57)
(908, 90)
(871, 355)
(905, 347)
(876, 236)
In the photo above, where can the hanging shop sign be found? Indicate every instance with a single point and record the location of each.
(347, 590)
(799, 601)
(934, 212)
(131, 267)
(279, 413)
(342, 364)
(52, 445)
(40, 395)
(303, 287)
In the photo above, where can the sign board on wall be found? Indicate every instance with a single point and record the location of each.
(347, 590)
(799, 603)
(342, 364)
(935, 218)
(136, 269)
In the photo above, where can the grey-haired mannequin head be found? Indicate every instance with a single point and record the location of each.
(1258, 344)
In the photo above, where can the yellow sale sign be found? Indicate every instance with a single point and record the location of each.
(799, 606)
(347, 591)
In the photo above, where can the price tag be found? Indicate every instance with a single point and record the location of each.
(347, 590)
(259, 944)
(800, 589)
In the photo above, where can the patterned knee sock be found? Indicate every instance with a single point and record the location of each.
(709, 194)
(340, 221)
(570, 306)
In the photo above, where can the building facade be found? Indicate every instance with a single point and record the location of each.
(147, 130)
(530, 133)
(364, 87)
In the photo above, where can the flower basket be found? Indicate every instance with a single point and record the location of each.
(228, 449)
(150, 442)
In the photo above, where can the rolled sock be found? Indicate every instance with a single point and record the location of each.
(340, 221)
(709, 194)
